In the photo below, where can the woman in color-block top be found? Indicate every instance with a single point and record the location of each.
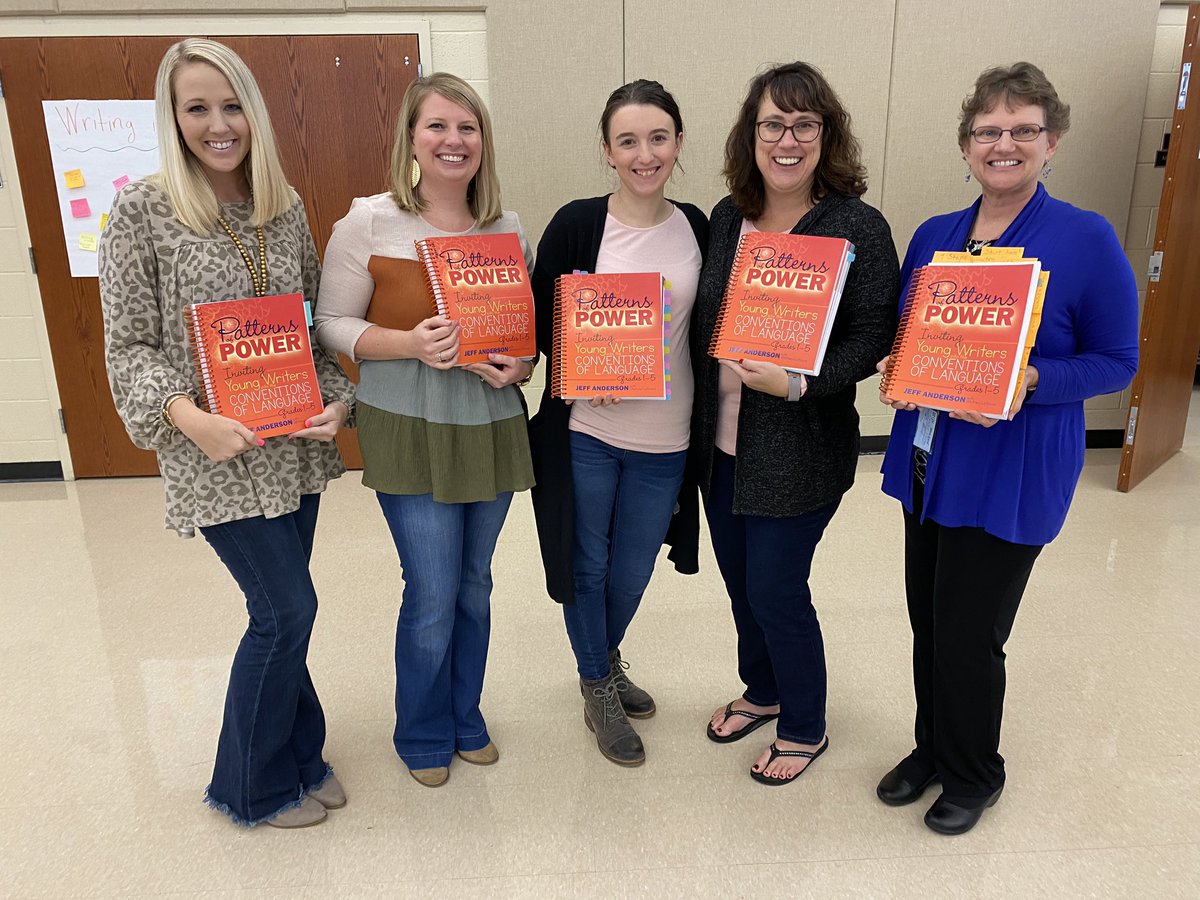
(609, 470)
(219, 222)
(444, 447)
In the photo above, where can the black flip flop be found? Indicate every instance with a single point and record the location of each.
(757, 720)
(763, 778)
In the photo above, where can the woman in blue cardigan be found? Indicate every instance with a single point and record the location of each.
(982, 497)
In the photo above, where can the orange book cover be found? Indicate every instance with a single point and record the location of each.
(610, 336)
(255, 361)
(781, 299)
(964, 336)
(480, 281)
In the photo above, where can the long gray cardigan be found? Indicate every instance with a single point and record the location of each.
(796, 457)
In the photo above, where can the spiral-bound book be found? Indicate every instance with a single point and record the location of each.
(781, 299)
(611, 336)
(254, 360)
(480, 281)
(966, 334)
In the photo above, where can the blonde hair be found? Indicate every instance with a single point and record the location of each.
(483, 193)
(182, 176)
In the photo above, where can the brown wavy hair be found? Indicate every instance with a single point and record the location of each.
(1020, 84)
(793, 87)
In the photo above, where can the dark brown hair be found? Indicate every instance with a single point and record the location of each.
(640, 93)
(1021, 84)
(793, 87)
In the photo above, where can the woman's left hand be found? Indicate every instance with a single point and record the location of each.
(1030, 382)
(762, 376)
(324, 426)
(501, 371)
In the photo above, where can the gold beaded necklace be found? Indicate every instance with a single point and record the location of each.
(258, 275)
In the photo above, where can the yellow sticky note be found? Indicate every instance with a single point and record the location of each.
(74, 178)
(103, 220)
(88, 242)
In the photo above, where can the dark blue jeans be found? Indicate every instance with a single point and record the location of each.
(444, 625)
(623, 505)
(765, 563)
(269, 752)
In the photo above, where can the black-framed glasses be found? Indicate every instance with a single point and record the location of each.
(771, 132)
(987, 134)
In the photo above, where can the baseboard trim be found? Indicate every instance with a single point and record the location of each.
(31, 471)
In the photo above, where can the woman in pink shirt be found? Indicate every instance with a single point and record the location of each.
(609, 472)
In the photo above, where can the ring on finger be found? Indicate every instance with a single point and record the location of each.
(441, 356)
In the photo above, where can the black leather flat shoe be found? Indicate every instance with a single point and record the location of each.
(946, 817)
(896, 788)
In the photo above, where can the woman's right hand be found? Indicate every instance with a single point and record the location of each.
(219, 438)
(882, 368)
(435, 343)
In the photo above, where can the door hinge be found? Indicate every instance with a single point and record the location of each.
(32, 261)
(1155, 271)
(1132, 426)
(62, 421)
(1184, 78)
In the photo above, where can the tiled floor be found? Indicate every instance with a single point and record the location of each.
(117, 637)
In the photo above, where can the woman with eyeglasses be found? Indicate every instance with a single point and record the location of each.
(774, 451)
(981, 497)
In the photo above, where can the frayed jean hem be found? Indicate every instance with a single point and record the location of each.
(213, 803)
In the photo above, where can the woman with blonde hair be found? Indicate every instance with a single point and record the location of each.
(444, 447)
(219, 222)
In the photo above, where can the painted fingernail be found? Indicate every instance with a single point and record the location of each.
(308, 423)
(261, 442)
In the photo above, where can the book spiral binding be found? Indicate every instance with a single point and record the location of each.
(426, 253)
(914, 287)
(209, 401)
(560, 312)
(735, 275)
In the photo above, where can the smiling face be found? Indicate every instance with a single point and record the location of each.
(789, 167)
(447, 143)
(1009, 168)
(642, 147)
(212, 124)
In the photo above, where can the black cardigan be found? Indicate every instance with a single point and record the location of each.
(572, 241)
(796, 457)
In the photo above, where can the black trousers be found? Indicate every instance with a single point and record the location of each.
(963, 586)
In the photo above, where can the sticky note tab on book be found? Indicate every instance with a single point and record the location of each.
(88, 242)
(74, 178)
(80, 209)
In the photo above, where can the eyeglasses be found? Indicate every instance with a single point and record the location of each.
(771, 132)
(1022, 133)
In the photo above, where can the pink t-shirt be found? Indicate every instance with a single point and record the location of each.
(729, 392)
(651, 426)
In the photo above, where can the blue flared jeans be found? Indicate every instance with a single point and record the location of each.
(624, 500)
(765, 563)
(273, 733)
(442, 631)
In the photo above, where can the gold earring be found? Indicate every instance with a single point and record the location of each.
(414, 175)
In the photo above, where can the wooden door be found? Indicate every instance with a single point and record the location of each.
(1162, 389)
(333, 102)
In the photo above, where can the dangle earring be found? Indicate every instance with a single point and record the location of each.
(1046, 170)
(968, 178)
(414, 175)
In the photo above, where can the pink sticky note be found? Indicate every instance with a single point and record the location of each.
(80, 208)
(120, 182)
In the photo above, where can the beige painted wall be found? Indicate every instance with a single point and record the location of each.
(901, 66)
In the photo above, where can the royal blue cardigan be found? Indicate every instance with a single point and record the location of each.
(1015, 480)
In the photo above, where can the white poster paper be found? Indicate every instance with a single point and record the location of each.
(96, 147)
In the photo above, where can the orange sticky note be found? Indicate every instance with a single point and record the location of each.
(74, 178)
(88, 242)
(80, 209)
(103, 220)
